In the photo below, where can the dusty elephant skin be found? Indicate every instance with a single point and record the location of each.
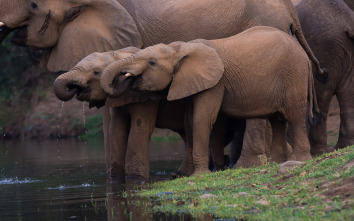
(332, 39)
(225, 75)
(83, 81)
(73, 29)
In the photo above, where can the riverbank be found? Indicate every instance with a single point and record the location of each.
(320, 189)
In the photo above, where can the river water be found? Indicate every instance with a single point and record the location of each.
(66, 180)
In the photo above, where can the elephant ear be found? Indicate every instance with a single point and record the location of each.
(199, 67)
(100, 27)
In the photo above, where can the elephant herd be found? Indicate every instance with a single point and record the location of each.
(200, 68)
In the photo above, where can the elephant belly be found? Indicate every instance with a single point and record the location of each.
(248, 108)
(171, 115)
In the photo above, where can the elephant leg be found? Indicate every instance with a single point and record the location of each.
(142, 124)
(107, 150)
(239, 129)
(186, 168)
(119, 132)
(205, 111)
(217, 141)
(346, 104)
(318, 132)
(278, 150)
(256, 143)
(301, 146)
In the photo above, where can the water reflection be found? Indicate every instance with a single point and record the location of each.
(47, 180)
(123, 204)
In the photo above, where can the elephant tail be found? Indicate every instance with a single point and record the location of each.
(314, 110)
(321, 73)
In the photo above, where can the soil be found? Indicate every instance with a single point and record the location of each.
(342, 189)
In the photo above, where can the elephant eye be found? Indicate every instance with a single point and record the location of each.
(34, 5)
(96, 72)
(152, 62)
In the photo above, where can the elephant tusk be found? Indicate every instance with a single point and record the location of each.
(128, 74)
(2, 24)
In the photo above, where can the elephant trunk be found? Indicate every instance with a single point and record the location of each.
(66, 88)
(109, 78)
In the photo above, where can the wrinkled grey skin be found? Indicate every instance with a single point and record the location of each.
(328, 26)
(72, 29)
(331, 37)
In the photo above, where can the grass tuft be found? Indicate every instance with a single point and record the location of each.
(320, 189)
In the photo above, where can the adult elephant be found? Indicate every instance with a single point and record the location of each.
(331, 37)
(73, 29)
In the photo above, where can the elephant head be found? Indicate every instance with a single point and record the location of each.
(84, 79)
(71, 29)
(186, 68)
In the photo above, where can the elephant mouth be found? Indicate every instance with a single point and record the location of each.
(20, 35)
(97, 103)
(120, 87)
(131, 81)
(83, 94)
(136, 82)
(4, 31)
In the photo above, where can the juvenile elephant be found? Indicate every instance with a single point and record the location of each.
(84, 81)
(331, 37)
(259, 73)
(73, 29)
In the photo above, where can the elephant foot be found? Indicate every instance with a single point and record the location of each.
(136, 179)
(216, 169)
(200, 171)
(178, 174)
(225, 165)
(116, 172)
(117, 180)
(291, 157)
(251, 161)
(319, 150)
(344, 143)
(182, 171)
(303, 157)
(278, 158)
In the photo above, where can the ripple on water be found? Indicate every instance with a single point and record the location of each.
(71, 187)
(9, 181)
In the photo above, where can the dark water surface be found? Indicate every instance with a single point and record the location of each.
(66, 180)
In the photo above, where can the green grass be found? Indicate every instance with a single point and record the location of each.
(307, 192)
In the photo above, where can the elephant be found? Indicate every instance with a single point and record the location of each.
(72, 29)
(332, 39)
(332, 42)
(87, 74)
(227, 75)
